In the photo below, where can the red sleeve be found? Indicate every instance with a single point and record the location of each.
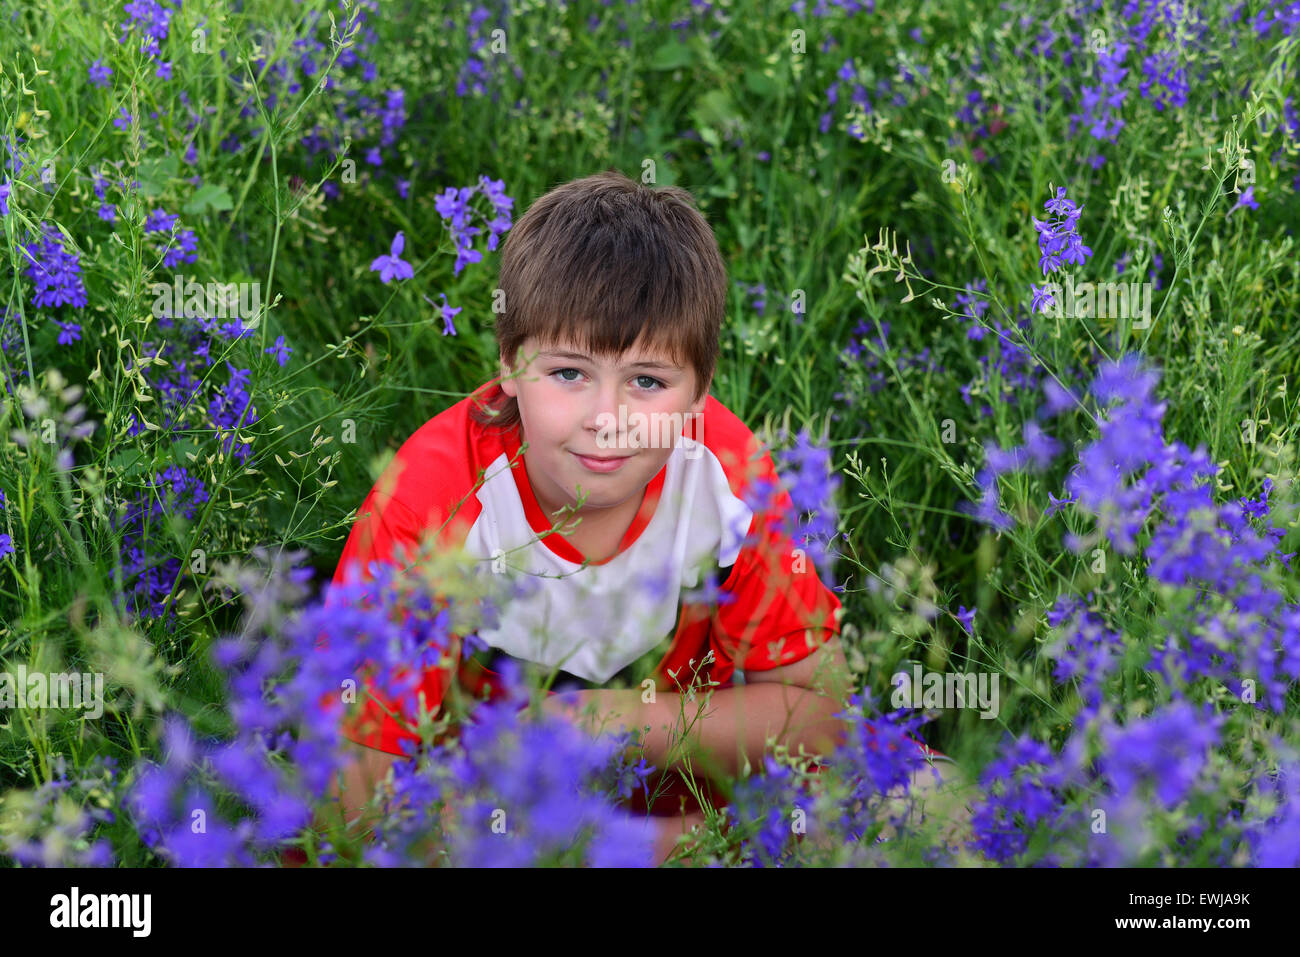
(780, 611)
(383, 523)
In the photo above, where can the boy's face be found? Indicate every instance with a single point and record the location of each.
(573, 405)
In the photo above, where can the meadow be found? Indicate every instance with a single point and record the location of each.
(1015, 302)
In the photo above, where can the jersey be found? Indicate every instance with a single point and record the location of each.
(705, 566)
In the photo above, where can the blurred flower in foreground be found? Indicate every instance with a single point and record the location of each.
(538, 788)
(50, 826)
(525, 793)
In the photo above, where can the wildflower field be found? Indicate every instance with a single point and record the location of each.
(1015, 302)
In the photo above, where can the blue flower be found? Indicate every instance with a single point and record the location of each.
(1059, 240)
(1247, 198)
(1042, 297)
(392, 266)
(280, 350)
(70, 332)
(99, 73)
(55, 272)
(447, 313)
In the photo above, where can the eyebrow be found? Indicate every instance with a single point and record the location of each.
(578, 356)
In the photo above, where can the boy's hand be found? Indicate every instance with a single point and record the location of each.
(597, 709)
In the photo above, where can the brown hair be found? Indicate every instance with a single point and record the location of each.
(606, 262)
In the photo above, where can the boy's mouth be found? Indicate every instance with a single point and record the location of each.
(602, 463)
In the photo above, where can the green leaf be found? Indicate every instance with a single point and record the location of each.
(205, 196)
(154, 174)
(672, 56)
(126, 460)
(164, 165)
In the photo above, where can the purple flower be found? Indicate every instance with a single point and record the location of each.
(1059, 240)
(1059, 398)
(447, 313)
(63, 813)
(767, 800)
(1276, 841)
(1126, 380)
(1247, 198)
(974, 307)
(1165, 751)
(989, 507)
(159, 221)
(99, 73)
(1019, 797)
(811, 520)
(149, 570)
(55, 272)
(69, 333)
(966, 618)
(153, 20)
(454, 207)
(280, 350)
(4, 198)
(392, 266)
(1098, 102)
(1040, 447)
(1163, 70)
(1042, 298)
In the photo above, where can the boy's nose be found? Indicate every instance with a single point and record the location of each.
(603, 409)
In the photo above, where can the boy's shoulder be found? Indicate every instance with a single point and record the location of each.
(738, 450)
(445, 454)
(428, 484)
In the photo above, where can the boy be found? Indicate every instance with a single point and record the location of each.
(601, 427)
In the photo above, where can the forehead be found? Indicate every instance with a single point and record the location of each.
(637, 354)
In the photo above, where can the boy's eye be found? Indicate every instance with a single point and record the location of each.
(646, 382)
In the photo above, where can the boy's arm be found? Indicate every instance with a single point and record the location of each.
(364, 768)
(795, 704)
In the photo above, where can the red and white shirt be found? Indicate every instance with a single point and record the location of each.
(594, 621)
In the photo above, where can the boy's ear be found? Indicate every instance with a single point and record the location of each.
(509, 381)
